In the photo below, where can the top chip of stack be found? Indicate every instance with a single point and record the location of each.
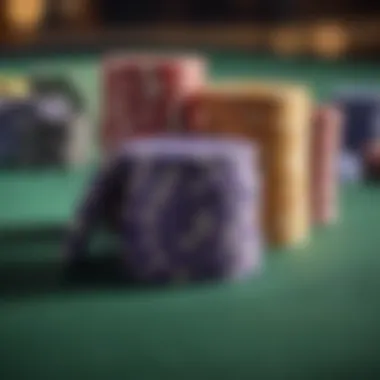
(242, 88)
(188, 70)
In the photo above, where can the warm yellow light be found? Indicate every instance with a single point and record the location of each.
(24, 15)
(330, 41)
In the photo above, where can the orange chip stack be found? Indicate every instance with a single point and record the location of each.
(277, 117)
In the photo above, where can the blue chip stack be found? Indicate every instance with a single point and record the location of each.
(43, 129)
(362, 117)
(361, 110)
(190, 209)
(34, 133)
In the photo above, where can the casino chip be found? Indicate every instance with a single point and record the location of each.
(263, 112)
(184, 214)
(143, 94)
(41, 132)
(361, 111)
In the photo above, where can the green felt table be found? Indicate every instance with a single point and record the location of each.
(312, 312)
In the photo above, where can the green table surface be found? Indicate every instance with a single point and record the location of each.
(312, 312)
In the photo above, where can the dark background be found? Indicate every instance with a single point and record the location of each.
(104, 14)
(112, 12)
(57, 24)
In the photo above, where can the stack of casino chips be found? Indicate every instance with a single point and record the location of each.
(39, 123)
(253, 165)
(189, 209)
(143, 94)
(361, 120)
(276, 117)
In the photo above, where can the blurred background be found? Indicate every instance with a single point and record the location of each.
(314, 315)
(323, 28)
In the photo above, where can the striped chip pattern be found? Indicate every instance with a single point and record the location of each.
(184, 209)
(326, 142)
(277, 117)
(143, 94)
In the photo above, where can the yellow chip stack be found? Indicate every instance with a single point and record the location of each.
(277, 117)
(14, 87)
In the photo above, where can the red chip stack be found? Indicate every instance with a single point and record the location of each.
(326, 138)
(144, 94)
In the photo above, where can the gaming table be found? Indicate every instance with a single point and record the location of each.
(312, 314)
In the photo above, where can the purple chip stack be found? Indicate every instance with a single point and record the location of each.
(189, 209)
